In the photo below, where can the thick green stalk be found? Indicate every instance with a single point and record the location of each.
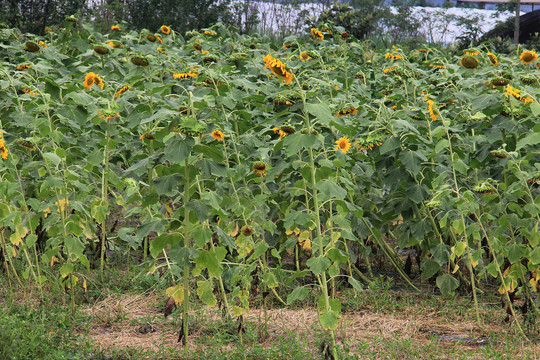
(186, 261)
(320, 245)
(104, 200)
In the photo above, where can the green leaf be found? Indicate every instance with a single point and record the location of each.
(534, 256)
(410, 161)
(167, 184)
(535, 109)
(300, 293)
(329, 319)
(159, 243)
(429, 268)
(357, 285)
(318, 264)
(211, 152)
(52, 157)
(321, 111)
(447, 283)
(178, 149)
(66, 269)
(531, 139)
(205, 293)
(258, 250)
(270, 280)
(389, 145)
(329, 189)
(516, 252)
(295, 142)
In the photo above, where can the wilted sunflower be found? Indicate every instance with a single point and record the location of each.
(139, 61)
(343, 144)
(190, 74)
(247, 230)
(31, 46)
(348, 111)
(317, 34)
(165, 29)
(218, 135)
(122, 90)
(102, 50)
(493, 58)
(528, 57)
(469, 62)
(260, 168)
(23, 67)
(278, 68)
(151, 38)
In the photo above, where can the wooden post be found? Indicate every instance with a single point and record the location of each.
(516, 23)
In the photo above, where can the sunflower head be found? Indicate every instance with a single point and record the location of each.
(469, 62)
(247, 230)
(317, 34)
(102, 50)
(493, 59)
(528, 57)
(218, 135)
(165, 29)
(139, 61)
(151, 38)
(31, 46)
(116, 28)
(343, 144)
(260, 168)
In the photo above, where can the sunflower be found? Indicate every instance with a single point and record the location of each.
(528, 57)
(186, 75)
(122, 90)
(101, 50)
(209, 32)
(165, 29)
(317, 34)
(344, 112)
(23, 67)
(304, 56)
(218, 135)
(4, 152)
(89, 80)
(247, 230)
(469, 62)
(343, 144)
(260, 168)
(116, 28)
(493, 58)
(278, 68)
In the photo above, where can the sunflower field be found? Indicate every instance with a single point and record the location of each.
(239, 167)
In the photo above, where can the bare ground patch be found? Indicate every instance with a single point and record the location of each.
(137, 321)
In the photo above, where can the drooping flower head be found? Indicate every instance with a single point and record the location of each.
(260, 168)
(343, 144)
(278, 68)
(122, 90)
(493, 58)
(469, 62)
(165, 29)
(528, 57)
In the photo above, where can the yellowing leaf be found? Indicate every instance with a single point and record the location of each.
(456, 268)
(238, 311)
(235, 230)
(54, 260)
(336, 235)
(306, 245)
(84, 286)
(176, 292)
(13, 252)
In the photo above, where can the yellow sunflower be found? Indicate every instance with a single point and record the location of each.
(278, 68)
(317, 34)
(260, 168)
(165, 29)
(493, 58)
(218, 135)
(528, 57)
(89, 80)
(116, 28)
(343, 144)
(304, 56)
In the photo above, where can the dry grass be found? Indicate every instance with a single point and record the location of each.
(116, 321)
